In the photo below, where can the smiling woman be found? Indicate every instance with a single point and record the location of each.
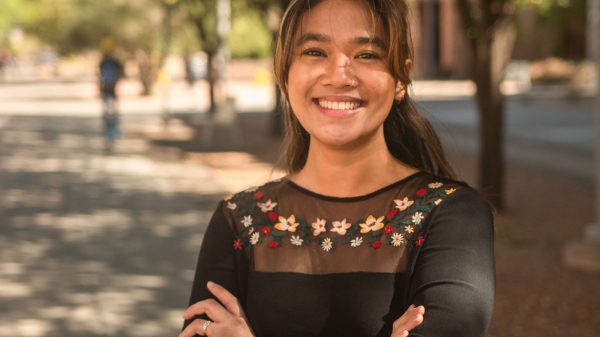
(368, 235)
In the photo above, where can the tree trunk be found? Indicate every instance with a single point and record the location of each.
(491, 105)
(147, 70)
(211, 76)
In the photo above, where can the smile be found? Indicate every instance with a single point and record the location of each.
(339, 105)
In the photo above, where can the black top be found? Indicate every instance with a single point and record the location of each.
(305, 264)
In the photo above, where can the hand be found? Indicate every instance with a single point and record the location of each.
(226, 321)
(408, 321)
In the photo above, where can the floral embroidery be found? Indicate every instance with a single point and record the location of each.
(372, 224)
(356, 242)
(296, 240)
(340, 227)
(254, 238)
(319, 226)
(397, 239)
(403, 204)
(403, 224)
(327, 244)
(266, 206)
(247, 221)
(288, 224)
(416, 219)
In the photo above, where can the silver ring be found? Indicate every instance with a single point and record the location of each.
(205, 326)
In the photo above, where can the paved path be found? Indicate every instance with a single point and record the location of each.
(94, 244)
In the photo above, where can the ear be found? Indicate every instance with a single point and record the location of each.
(401, 87)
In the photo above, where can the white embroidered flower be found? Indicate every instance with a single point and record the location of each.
(340, 227)
(231, 205)
(296, 240)
(254, 238)
(356, 242)
(403, 204)
(435, 185)
(416, 219)
(288, 224)
(397, 239)
(409, 229)
(327, 244)
(437, 202)
(247, 221)
(266, 206)
(372, 224)
(319, 226)
(251, 189)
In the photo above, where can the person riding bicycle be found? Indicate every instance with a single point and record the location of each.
(111, 71)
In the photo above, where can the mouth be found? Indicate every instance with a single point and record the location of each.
(339, 105)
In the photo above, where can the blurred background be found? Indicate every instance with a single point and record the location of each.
(97, 242)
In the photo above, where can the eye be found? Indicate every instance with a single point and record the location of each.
(369, 55)
(313, 52)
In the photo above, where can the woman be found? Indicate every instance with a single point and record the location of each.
(369, 223)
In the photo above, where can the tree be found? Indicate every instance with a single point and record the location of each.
(489, 27)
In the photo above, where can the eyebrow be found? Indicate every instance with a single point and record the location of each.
(358, 40)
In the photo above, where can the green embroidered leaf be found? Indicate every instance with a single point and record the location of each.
(307, 240)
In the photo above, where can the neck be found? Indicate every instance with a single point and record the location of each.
(350, 170)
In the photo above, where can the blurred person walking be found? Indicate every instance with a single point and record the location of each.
(111, 71)
(4, 59)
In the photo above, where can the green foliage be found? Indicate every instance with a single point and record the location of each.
(250, 38)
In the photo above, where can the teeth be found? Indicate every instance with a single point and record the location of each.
(339, 105)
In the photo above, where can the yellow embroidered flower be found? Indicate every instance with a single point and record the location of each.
(409, 229)
(340, 227)
(266, 206)
(319, 226)
(372, 224)
(450, 191)
(403, 204)
(288, 224)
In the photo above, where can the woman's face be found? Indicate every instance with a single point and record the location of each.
(339, 85)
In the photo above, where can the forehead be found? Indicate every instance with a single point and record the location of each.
(340, 19)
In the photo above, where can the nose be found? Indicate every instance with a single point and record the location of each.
(338, 72)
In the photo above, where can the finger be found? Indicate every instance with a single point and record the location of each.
(210, 307)
(230, 302)
(196, 328)
(405, 317)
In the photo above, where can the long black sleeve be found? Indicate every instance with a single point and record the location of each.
(218, 261)
(453, 275)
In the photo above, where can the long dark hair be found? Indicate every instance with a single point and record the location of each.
(408, 135)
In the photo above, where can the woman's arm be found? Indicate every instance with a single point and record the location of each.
(453, 275)
(218, 262)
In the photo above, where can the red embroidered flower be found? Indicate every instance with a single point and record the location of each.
(421, 192)
(258, 195)
(392, 213)
(273, 244)
(376, 244)
(237, 244)
(388, 229)
(420, 241)
(266, 231)
(273, 216)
